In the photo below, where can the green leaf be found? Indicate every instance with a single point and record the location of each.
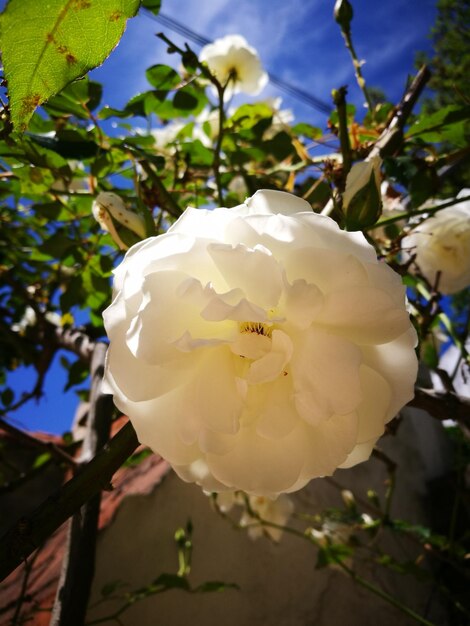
(58, 45)
(214, 585)
(78, 372)
(7, 396)
(78, 98)
(311, 132)
(171, 581)
(163, 77)
(57, 245)
(152, 5)
(430, 127)
(41, 459)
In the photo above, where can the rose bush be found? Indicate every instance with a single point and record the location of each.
(235, 63)
(258, 347)
(441, 244)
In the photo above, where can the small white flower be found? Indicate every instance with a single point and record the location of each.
(234, 62)
(442, 245)
(281, 117)
(273, 511)
(260, 346)
(109, 208)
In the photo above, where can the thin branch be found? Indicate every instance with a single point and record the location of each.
(393, 134)
(30, 532)
(443, 405)
(76, 341)
(47, 446)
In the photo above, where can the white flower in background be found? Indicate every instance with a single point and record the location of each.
(275, 511)
(281, 117)
(233, 61)
(238, 187)
(258, 509)
(109, 209)
(165, 135)
(206, 127)
(442, 245)
(258, 347)
(392, 206)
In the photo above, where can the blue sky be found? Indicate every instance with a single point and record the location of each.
(299, 42)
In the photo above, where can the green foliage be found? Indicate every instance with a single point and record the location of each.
(450, 63)
(63, 43)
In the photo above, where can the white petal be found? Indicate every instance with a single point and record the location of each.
(397, 363)
(270, 202)
(359, 454)
(366, 315)
(374, 408)
(258, 465)
(271, 365)
(302, 303)
(323, 364)
(254, 268)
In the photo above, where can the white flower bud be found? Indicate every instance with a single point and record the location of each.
(362, 203)
(109, 211)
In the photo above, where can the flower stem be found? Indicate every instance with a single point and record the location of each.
(218, 145)
(339, 98)
(357, 69)
(385, 596)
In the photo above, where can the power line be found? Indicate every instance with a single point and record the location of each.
(200, 40)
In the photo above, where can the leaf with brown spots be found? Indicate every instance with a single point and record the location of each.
(45, 46)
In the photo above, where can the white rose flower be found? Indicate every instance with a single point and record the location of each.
(442, 244)
(109, 208)
(258, 347)
(233, 61)
(275, 511)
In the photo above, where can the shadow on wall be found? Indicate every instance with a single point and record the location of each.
(279, 585)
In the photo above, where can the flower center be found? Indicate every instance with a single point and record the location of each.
(256, 327)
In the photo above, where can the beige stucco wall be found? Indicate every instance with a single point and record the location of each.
(279, 583)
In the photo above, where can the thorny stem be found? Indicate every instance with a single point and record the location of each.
(218, 145)
(339, 98)
(220, 94)
(357, 69)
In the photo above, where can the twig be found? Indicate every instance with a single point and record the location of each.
(339, 98)
(76, 341)
(30, 532)
(443, 405)
(52, 448)
(393, 134)
(167, 201)
(79, 561)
